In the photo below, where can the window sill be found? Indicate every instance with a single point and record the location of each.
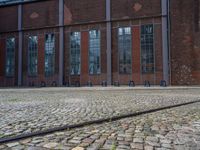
(9, 77)
(74, 74)
(95, 74)
(147, 73)
(124, 73)
(32, 76)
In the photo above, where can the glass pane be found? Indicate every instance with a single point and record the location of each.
(10, 57)
(75, 53)
(49, 54)
(94, 52)
(32, 55)
(124, 48)
(147, 48)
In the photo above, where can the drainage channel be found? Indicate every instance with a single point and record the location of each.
(99, 121)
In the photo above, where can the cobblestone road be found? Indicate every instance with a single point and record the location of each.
(29, 110)
(172, 129)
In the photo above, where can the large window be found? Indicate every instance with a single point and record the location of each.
(10, 56)
(94, 52)
(75, 46)
(32, 55)
(147, 49)
(124, 48)
(49, 54)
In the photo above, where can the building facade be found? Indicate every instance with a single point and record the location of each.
(70, 42)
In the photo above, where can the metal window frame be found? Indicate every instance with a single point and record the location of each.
(75, 74)
(153, 52)
(35, 48)
(10, 74)
(89, 47)
(131, 37)
(52, 64)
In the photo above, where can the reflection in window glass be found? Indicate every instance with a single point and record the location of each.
(49, 54)
(94, 52)
(32, 55)
(75, 46)
(124, 48)
(147, 49)
(10, 56)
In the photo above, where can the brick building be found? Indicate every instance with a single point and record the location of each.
(61, 42)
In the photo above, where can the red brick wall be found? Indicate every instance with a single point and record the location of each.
(77, 11)
(84, 57)
(158, 52)
(40, 14)
(185, 45)
(136, 54)
(135, 8)
(8, 19)
(41, 56)
(114, 54)
(67, 56)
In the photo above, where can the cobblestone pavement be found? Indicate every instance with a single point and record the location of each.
(172, 129)
(29, 110)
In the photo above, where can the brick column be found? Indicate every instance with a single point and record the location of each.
(41, 56)
(136, 65)
(84, 58)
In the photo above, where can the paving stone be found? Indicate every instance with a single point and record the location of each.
(107, 146)
(154, 144)
(161, 148)
(78, 148)
(50, 145)
(2, 146)
(36, 148)
(165, 141)
(12, 144)
(19, 147)
(153, 139)
(166, 146)
(88, 140)
(148, 147)
(120, 138)
(179, 142)
(136, 146)
(36, 141)
(25, 141)
(94, 146)
(138, 140)
(74, 141)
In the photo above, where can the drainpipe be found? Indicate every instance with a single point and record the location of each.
(169, 41)
(20, 45)
(108, 42)
(61, 41)
(165, 39)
